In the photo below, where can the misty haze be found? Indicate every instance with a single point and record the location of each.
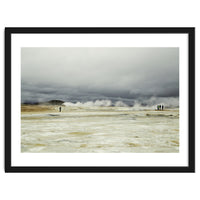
(100, 99)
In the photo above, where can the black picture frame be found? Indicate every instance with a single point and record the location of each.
(102, 30)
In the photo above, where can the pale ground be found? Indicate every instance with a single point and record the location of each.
(98, 129)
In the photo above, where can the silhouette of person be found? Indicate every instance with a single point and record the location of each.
(59, 109)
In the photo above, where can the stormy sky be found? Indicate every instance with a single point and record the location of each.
(82, 74)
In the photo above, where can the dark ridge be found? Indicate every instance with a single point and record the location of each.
(51, 102)
(55, 102)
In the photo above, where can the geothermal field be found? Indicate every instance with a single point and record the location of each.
(98, 129)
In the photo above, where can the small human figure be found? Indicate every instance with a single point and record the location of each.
(162, 107)
(59, 109)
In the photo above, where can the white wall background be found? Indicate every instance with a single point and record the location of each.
(104, 13)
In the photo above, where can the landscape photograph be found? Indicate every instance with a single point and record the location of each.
(99, 99)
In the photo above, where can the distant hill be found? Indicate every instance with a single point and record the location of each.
(55, 102)
(51, 102)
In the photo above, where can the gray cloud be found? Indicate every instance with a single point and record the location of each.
(92, 73)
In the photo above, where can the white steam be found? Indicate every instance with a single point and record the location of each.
(105, 103)
(153, 101)
(139, 104)
(120, 104)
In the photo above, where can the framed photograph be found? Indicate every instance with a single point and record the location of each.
(99, 99)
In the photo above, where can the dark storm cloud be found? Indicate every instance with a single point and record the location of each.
(92, 73)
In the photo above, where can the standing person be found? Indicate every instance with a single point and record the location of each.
(59, 109)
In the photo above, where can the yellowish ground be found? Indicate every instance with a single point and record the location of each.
(37, 108)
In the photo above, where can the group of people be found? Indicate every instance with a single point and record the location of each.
(160, 107)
